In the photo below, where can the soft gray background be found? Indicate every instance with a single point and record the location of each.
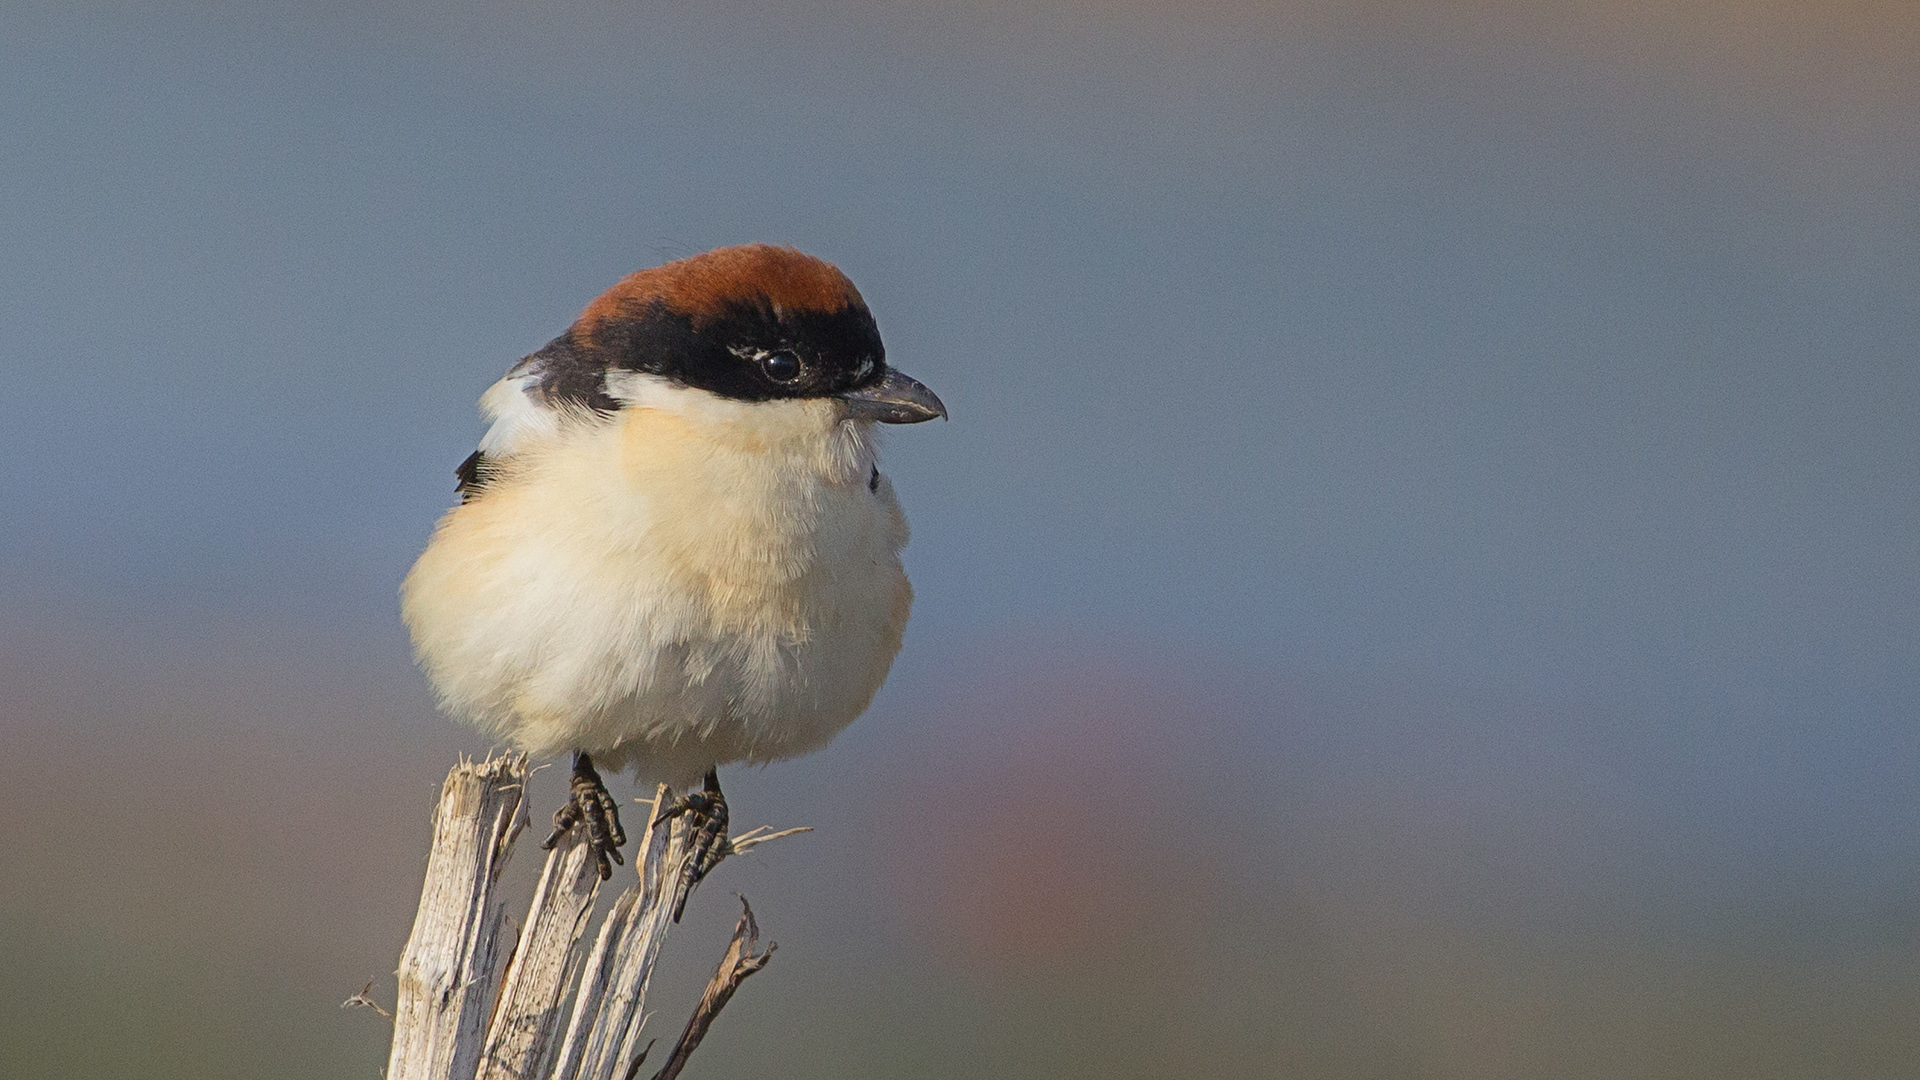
(1421, 579)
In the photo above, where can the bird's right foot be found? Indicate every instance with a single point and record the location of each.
(706, 811)
(590, 805)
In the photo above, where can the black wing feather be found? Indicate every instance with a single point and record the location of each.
(472, 475)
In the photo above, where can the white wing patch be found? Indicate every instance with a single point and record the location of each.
(515, 410)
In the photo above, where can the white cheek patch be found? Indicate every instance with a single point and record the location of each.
(639, 390)
(514, 407)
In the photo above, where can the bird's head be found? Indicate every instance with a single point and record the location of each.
(751, 323)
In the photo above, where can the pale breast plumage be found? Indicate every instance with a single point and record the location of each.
(681, 582)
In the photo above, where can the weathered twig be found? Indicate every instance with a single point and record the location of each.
(753, 838)
(558, 1014)
(452, 960)
(364, 1000)
(739, 962)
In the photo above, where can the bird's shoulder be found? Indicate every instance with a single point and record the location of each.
(532, 399)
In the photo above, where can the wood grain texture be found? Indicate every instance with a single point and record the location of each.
(605, 1039)
(451, 964)
(531, 1014)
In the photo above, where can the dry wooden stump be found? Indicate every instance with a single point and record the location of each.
(478, 1002)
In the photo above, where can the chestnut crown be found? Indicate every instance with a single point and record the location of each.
(752, 323)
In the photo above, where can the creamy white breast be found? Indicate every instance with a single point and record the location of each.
(690, 582)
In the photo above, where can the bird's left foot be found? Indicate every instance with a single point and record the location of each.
(706, 812)
(589, 804)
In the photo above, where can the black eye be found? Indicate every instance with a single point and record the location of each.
(781, 367)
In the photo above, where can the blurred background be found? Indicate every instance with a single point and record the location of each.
(1421, 580)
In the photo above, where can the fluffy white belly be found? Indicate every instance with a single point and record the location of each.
(669, 589)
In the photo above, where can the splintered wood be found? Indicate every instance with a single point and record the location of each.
(477, 1004)
(451, 962)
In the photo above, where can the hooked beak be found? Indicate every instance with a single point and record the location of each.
(896, 399)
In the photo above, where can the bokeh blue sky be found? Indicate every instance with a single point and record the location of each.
(1493, 427)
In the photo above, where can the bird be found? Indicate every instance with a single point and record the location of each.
(674, 548)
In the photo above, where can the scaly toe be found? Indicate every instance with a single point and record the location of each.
(589, 804)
